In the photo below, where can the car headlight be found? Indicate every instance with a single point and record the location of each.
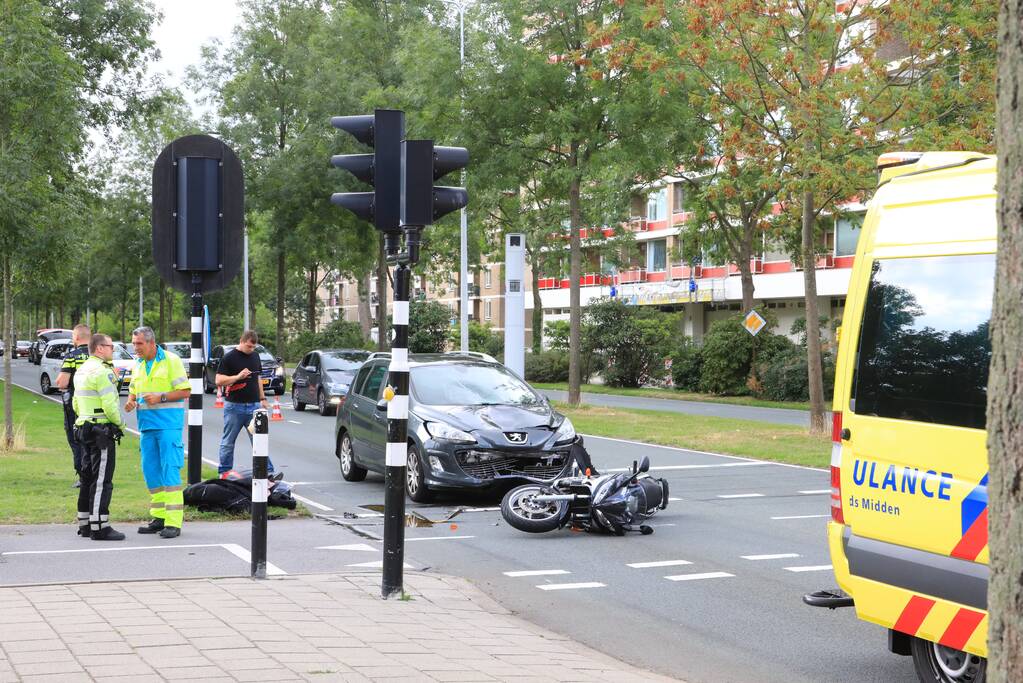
(440, 430)
(566, 432)
(279, 371)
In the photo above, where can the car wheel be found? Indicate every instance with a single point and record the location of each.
(299, 405)
(349, 470)
(415, 477)
(521, 511)
(321, 403)
(44, 384)
(206, 386)
(936, 663)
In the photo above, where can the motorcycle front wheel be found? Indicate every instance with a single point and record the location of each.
(520, 509)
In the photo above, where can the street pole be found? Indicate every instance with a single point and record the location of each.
(245, 278)
(141, 323)
(195, 370)
(260, 493)
(464, 231)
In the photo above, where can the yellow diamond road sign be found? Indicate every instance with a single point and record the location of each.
(754, 322)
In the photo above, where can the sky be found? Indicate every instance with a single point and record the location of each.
(188, 25)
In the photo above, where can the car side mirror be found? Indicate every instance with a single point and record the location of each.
(279, 359)
(309, 368)
(382, 405)
(644, 466)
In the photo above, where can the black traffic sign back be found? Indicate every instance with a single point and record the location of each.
(198, 209)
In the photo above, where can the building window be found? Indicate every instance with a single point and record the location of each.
(847, 234)
(487, 279)
(656, 255)
(486, 310)
(657, 205)
(678, 198)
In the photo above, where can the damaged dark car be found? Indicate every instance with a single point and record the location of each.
(472, 425)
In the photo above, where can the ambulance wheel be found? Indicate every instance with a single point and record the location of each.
(936, 663)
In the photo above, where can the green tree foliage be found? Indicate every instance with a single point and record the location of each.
(687, 365)
(428, 326)
(628, 345)
(727, 355)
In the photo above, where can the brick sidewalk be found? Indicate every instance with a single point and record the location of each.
(323, 627)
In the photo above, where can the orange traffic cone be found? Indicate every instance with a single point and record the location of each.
(275, 413)
(219, 403)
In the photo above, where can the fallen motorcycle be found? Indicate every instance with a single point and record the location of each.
(613, 503)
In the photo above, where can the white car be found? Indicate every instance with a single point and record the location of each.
(181, 348)
(53, 358)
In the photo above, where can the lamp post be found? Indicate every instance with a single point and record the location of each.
(463, 278)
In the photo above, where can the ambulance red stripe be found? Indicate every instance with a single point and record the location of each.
(963, 624)
(913, 614)
(974, 540)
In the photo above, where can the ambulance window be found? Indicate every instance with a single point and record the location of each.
(924, 347)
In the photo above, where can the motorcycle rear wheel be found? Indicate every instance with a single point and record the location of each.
(521, 512)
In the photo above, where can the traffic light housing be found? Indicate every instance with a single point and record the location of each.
(384, 131)
(422, 163)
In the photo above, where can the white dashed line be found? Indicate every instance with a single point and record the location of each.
(697, 577)
(294, 422)
(811, 493)
(779, 556)
(659, 563)
(813, 568)
(243, 554)
(741, 495)
(802, 517)
(536, 572)
(351, 546)
(436, 538)
(569, 586)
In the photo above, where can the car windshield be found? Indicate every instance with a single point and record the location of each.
(469, 384)
(265, 357)
(182, 349)
(121, 354)
(343, 361)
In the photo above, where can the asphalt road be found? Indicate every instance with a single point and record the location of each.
(714, 596)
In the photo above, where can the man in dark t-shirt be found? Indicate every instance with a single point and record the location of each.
(238, 375)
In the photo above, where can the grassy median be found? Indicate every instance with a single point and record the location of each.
(752, 439)
(650, 392)
(36, 478)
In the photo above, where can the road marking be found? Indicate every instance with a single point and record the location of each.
(107, 550)
(801, 517)
(673, 499)
(569, 586)
(536, 572)
(491, 509)
(376, 565)
(238, 551)
(312, 503)
(315, 483)
(350, 546)
(436, 538)
(814, 568)
(810, 493)
(779, 556)
(294, 422)
(659, 563)
(697, 577)
(692, 467)
(741, 495)
(364, 515)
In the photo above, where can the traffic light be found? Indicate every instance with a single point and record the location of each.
(384, 131)
(422, 202)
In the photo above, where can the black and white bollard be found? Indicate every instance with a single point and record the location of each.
(260, 491)
(195, 373)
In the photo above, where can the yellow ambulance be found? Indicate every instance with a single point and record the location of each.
(908, 531)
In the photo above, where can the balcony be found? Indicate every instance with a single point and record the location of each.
(626, 277)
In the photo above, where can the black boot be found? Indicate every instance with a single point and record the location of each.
(170, 532)
(107, 533)
(83, 530)
(154, 526)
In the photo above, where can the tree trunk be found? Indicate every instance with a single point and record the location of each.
(574, 271)
(281, 341)
(314, 276)
(10, 345)
(163, 319)
(365, 322)
(60, 309)
(815, 374)
(124, 311)
(534, 267)
(383, 338)
(746, 280)
(1005, 387)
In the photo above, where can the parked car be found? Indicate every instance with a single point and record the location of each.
(1, 349)
(472, 425)
(49, 366)
(21, 349)
(323, 377)
(44, 337)
(272, 375)
(126, 348)
(124, 364)
(181, 348)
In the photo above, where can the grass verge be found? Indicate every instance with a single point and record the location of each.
(649, 392)
(748, 438)
(36, 479)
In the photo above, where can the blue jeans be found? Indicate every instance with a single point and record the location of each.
(236, 418)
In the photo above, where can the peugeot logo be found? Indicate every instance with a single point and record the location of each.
(515, 437)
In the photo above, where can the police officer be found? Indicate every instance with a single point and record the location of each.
(73, 360)
(98, 429)
(159, 389)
